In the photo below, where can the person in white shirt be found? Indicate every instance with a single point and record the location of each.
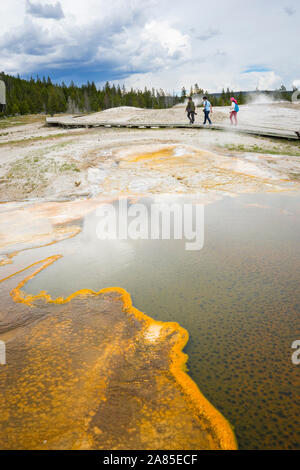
(233, 111)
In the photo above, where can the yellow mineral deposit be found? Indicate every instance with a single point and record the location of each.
(183, 168)
(93, 372)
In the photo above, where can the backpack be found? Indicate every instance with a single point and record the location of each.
(236, 108)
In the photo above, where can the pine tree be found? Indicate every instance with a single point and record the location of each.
(14, 109)
(53, 102)
(24, 107)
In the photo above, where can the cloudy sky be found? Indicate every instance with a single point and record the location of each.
(155, 43)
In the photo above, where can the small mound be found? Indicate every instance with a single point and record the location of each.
(118, 114)
(120, 109)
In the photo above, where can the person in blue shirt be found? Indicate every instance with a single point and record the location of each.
(207, 110)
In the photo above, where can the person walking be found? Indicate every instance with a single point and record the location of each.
(207, 110)
(191, 110)
(234, 109)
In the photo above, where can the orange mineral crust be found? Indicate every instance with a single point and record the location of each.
(90, 371)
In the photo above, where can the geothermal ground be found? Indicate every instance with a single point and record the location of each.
(37, 162)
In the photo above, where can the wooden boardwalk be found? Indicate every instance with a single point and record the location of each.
(259, 131)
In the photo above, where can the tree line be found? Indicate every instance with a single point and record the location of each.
(41, 95)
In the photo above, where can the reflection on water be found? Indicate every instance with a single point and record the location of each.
(238, 298)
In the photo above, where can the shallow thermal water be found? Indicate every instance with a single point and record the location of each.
(238, 297)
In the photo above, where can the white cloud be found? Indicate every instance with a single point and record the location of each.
(269, 80)
(169, 38)
(296, 84)
(161, 43)
(264, 80)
